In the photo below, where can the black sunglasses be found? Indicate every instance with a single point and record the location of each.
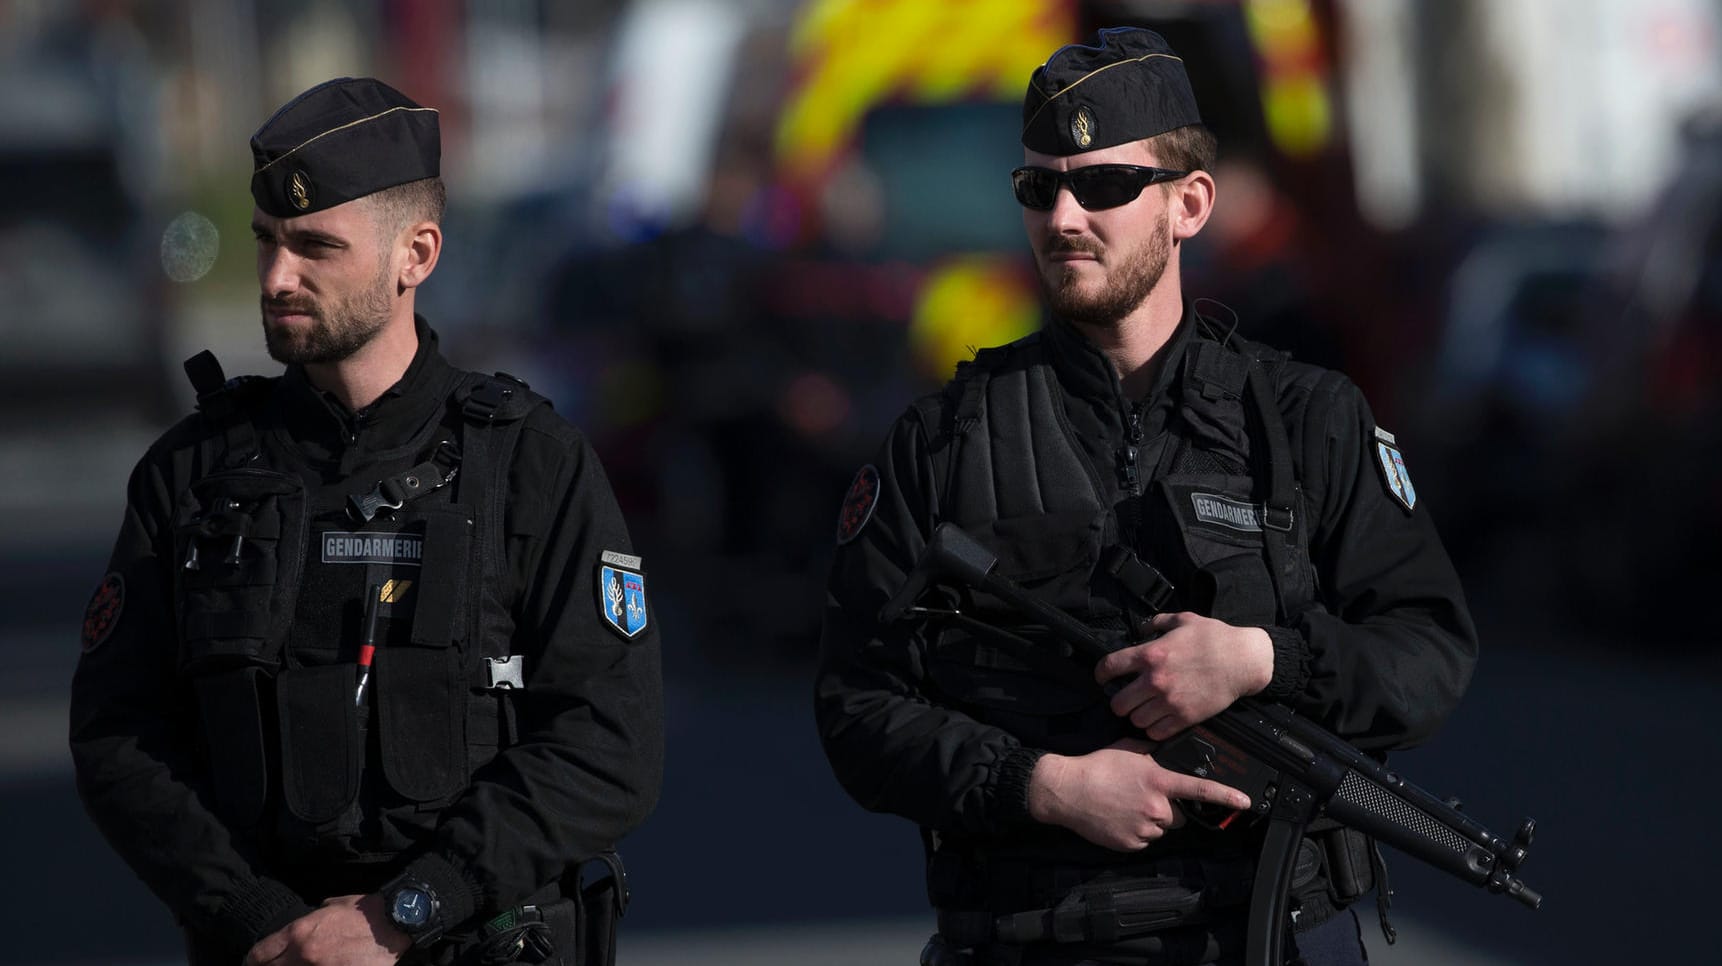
(1095, 187)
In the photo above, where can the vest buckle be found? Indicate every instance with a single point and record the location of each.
(504, 673)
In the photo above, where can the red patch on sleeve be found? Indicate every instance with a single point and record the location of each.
(104, 611)
(858, 505)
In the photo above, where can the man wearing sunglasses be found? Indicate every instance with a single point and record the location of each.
(1237, 514)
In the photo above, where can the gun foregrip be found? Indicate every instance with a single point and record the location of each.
(1377, 811)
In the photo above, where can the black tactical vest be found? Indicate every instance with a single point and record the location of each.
(277, 576)
(1210, 506)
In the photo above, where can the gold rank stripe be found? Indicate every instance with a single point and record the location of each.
(335, 130)
(393, 591)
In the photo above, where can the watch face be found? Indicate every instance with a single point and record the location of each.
(411, 907)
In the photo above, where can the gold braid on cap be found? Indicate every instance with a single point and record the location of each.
(343, 127)
(1079, 80)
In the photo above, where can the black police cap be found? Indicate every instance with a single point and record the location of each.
(341, 140)
(1129, 87)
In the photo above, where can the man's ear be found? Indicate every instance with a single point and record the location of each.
(424, 247)
(1190, 204)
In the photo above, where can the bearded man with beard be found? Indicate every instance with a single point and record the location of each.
(1236, 514)
(372, 676)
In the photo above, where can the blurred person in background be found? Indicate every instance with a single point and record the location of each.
(1140, 466)
(372, 674)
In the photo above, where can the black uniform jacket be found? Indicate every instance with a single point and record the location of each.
(1381, 656)
(587, 764)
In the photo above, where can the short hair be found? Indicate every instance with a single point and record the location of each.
(1189, 148)
(409, 203)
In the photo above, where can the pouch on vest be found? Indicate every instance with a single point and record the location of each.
(423, 682)
(1209, 534)
(239, 541)
(230, 703)
(322, 747)
(1034, 688)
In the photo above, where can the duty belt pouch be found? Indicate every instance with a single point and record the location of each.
(1350, 866)
(322, 747)
(602, 890)
(239, 536)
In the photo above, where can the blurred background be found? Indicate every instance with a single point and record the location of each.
(733, 238)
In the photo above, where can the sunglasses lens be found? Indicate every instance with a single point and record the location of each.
(1102, 186)
(1035, 188)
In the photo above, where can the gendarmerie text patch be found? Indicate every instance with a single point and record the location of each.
(1221, 511)
(401, 549)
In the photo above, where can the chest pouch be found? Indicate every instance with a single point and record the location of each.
(1015, 676)
(1210, 538)
(239, 540)
(239, 536)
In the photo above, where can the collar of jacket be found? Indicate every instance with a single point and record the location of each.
(1087, 373)
(325, 428)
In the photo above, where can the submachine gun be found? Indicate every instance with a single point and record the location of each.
(1292, 769)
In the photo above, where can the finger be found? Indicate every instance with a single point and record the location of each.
(1161, 623)
(1150, 713)
(1195, 789)
(1131, 696)
(1177, 817)
(1118, 663)
(1167, 725)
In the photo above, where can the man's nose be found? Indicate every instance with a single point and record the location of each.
(1066, 217)
(278, 273)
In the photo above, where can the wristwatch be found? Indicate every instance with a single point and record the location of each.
(414, 910)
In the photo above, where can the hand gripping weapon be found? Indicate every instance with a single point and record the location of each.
(1292, 769)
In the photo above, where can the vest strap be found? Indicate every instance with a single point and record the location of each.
(1278, 516)
(222, 402)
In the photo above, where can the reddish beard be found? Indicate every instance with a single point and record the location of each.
(1127, 283)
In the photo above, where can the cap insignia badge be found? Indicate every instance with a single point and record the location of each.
(1082, 127)
(299, 190)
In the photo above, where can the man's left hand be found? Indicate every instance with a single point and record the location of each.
(1193, 668)
(344, 931)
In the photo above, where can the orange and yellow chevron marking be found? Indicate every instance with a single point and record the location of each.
(851, 55)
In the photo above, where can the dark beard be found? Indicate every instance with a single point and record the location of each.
(333, 335)
(1127, 287)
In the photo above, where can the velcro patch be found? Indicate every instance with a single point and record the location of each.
(1225, 512)
(103, 612)
(858, 504)
(626, 560)
(401, 549)
(622, 597)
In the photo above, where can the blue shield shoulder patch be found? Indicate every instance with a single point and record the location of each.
(1393, 472)
(622, 593)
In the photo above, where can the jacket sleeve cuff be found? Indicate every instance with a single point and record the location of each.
(1010, 787)
(1291, 663)
(457, 896)
(250, 914)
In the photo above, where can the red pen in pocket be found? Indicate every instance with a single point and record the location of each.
(368, 645)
